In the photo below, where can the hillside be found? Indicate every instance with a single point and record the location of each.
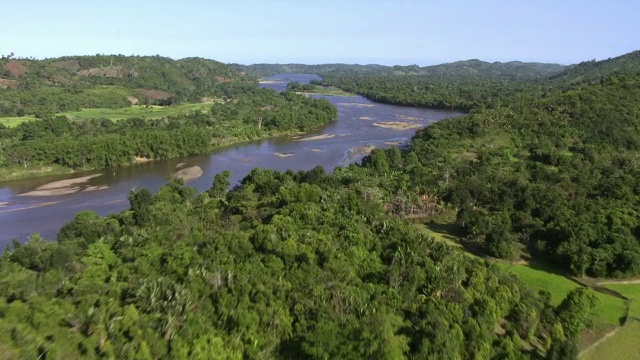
(592, 71)
(109, 81)
(469, 68)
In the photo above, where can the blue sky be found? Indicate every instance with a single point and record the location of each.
(350, 31)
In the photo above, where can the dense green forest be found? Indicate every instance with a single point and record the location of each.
(286, 265)
(109, 81)
(461, 69)
(559, 176)
(316, 265)
(82, 144)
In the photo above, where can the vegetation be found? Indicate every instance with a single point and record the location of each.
(129, 112)
(316, 265)
(314, 87)
(460, 69)
(301, 265)
(47, 87)
(100, 143)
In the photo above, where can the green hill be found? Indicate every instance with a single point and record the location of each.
(108, 81)
(592, 71)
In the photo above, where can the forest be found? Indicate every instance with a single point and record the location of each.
(285, 265)
(101, 143)
(321, 265)
(50, 86)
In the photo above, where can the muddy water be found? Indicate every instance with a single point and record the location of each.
(357, 129)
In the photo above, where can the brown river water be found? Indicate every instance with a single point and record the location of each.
(361, 125)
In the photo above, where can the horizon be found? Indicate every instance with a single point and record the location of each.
(405, 32)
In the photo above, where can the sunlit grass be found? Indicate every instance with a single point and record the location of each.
(135, 111)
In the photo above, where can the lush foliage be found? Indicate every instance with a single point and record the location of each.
(559, 176)
(287, 265)
(109, 81)
(99, 143)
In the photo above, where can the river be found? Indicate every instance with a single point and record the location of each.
(21, 216)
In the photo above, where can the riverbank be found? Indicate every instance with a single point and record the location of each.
(14, 173)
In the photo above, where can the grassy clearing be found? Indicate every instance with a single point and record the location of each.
(624, 345)
(609, 312)
(632, 291)
(135, 111)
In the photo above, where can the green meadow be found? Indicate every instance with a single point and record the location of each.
(135, 111)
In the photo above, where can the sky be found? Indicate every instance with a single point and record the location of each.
(400, 32)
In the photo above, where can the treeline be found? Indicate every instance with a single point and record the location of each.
(514, 70)
(80, 144)
(447, 93)
(286, 265)
(108, 81)
(556, 178)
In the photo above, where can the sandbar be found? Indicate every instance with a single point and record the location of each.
(30, 207)
(395, 125)
(140, 160)
(365, 118)
(318, 137)
(53, 192)
(406, 117)
(3, 204)
(356, 104)
(316, 150)
(284, 155)
(189, 173)
(95, 188)
(67, 183)
(361, 150)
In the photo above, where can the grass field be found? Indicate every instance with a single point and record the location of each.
(624, 345)
(140, 111)
(632, 291)
(609, 312)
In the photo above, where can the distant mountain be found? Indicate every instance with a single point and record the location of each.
(483, 69)
(592, 71)
(265, 70)
(468, 68)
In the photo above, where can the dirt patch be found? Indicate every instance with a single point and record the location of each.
(15, 68)
(189, 173)
(133, 100)
(318, 137)
(115, 71)
(396, 125)
(284, 155)
(154, 94)
(222, 79)
(356, 104)
(365, 118)
(361, 150)
(72, 65)
(6, 83)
